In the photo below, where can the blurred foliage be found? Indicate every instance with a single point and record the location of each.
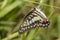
(12, 13)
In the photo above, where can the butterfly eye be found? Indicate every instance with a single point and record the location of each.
(35, 18)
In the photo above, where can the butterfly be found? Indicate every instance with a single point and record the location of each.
(35, 18)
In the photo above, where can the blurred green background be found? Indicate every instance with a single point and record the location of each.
(12, 13)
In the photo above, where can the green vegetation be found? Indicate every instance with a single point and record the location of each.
(12, 13)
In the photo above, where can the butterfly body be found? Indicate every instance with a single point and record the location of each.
(35, 18)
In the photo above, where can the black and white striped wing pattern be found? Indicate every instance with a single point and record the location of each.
(35, 18)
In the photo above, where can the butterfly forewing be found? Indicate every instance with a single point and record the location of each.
(34, 19)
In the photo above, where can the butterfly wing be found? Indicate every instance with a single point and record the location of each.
(34, 19)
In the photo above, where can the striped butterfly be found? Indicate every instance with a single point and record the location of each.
(35, 18)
